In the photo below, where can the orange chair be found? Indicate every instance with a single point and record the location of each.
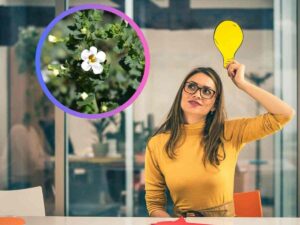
(248, 204)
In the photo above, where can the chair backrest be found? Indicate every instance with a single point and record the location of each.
(248, 204)
(24, 202)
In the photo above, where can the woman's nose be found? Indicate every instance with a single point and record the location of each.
(197, 94)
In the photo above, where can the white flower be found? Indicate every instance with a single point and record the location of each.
(92, 59)
(45, 74)
(55, 72)
(52, 38)
(84, 95)
(104, 108)
(83, 30)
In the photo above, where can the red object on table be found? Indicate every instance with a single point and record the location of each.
(180, 221)
(11, 221)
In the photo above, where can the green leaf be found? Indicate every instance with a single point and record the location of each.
(72, 27)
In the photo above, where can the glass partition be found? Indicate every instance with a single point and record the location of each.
(97, 171)
(27, 142)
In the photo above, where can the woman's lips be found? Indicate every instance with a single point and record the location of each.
(194, 103)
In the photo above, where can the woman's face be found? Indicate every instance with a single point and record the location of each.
(196, 102)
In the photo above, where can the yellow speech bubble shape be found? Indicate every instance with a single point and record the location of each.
(228, 37)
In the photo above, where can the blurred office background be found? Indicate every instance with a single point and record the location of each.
(96, 167)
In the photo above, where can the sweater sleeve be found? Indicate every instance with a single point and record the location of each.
(243, 130)
(154, 181)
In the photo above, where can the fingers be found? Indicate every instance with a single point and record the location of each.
(232, 69)
(232, 62)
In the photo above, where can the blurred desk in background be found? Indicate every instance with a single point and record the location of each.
(97, 185)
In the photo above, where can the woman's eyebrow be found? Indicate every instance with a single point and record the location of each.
(207, 87)
(203, 86)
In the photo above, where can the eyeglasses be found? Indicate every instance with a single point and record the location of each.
(205, 92)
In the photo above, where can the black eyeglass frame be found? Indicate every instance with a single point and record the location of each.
(198, 88)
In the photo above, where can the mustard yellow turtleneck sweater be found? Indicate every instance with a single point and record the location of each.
(191, 185)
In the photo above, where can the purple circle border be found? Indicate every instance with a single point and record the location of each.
(47, 31)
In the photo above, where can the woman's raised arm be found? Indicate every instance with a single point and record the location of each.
(270, 102)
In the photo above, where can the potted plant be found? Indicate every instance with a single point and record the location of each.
(103, 63)
(101, 148)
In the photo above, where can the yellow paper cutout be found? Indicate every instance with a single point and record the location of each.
(228, 37)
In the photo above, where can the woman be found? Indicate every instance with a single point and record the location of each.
(194, 152)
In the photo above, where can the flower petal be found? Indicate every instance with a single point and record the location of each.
(97, 68)
(101, 56)
(85, 54)
(52, 38)
(93, 50)
(84, 95)
(85, 66)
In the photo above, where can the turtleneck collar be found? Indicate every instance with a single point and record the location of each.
(194, 128)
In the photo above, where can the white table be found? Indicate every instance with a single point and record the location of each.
(147, 221)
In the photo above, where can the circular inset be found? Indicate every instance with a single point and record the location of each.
(102, 63)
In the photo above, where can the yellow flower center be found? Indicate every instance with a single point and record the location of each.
(92, 58)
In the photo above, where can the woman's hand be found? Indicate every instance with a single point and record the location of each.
(236, 72)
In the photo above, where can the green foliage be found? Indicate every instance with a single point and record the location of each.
(25, 49)
(123, 68)
(102, 124)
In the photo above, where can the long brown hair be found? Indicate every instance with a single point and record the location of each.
(214, 122)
